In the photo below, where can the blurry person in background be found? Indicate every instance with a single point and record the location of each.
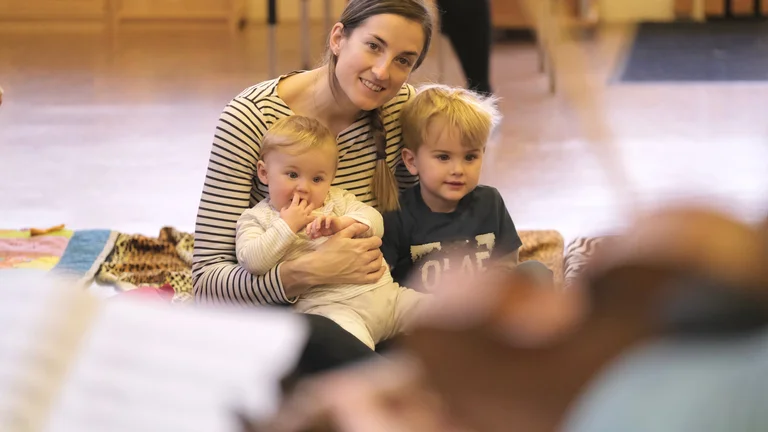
(667, 332)
(467, 24)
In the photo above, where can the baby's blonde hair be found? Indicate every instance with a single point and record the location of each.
(473, 115)
(297, 134)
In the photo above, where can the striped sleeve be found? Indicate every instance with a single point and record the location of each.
(226, 194)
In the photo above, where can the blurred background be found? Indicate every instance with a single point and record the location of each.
(110, 105)
(610, 107)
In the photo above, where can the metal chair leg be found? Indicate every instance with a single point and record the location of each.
(551, 77)
(440, 58)
(305, 56)
(328, 18)
(271, 40)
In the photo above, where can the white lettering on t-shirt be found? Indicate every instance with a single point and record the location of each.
(431, 266)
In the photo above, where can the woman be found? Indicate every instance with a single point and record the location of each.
(357, 94)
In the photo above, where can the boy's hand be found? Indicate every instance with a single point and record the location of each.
(298, 214)
(324, 226)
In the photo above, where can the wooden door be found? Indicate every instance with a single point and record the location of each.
(52, 9)
(508, 14)
(171, 9)
(684, 8)
(742, 7)
(714, 8)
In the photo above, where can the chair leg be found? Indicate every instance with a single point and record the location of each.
(271, 40)
(305, 56)
(552, 77)
(272, 51)
(548, 26)
(440, 58)
(328, 17)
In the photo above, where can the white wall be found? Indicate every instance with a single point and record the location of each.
(290, 10)
(636, 10)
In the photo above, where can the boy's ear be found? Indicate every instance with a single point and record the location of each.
(261, 171)
(409, 159)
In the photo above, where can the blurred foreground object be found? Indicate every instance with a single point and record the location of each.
(71, 362)
(668, 305)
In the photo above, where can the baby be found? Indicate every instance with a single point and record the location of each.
(298, 164)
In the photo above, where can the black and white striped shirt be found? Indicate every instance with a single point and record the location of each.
(231, 187)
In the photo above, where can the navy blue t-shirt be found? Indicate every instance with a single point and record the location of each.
(418, 242)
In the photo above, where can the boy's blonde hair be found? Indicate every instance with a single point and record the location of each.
(473, 115)
(297, 134)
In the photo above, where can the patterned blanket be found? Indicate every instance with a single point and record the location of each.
(137, 260)
(166, 260)
(544, 246)
(578, 254)
(130, 261)
(72, 254)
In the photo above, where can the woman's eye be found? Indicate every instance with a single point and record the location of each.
(404, 61)
(373, 46)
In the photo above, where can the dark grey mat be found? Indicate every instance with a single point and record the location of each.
(714, 51)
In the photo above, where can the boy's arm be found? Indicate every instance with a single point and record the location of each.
(508, 261)
(259, 249)
(508, 244)
(391, 242)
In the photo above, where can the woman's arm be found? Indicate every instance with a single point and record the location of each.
(343, 259)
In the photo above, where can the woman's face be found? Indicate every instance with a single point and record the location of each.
(376, 58)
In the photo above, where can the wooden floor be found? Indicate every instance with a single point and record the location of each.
(114, 132)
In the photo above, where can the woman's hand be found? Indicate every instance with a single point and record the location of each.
(342, 259)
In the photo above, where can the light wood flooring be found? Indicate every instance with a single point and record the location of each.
(114, 132)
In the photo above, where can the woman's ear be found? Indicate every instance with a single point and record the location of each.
(261, 171)
(337, 38)
(409, 159)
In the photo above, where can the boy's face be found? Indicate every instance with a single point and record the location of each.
(447, 170)
(309, 175)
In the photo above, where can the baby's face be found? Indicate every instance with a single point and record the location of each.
(308, 175)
